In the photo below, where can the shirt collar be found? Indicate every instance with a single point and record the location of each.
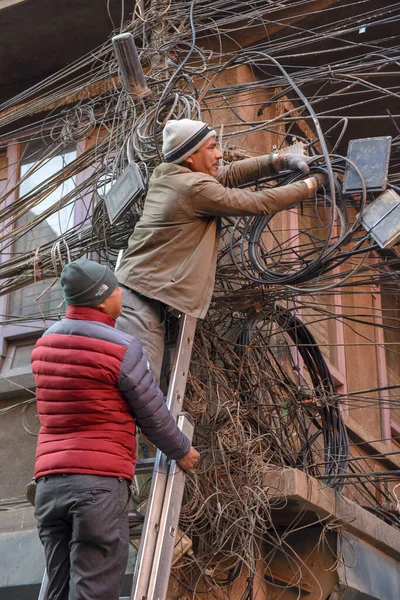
(85, 313)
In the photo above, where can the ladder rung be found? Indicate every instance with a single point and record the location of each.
(144, 465)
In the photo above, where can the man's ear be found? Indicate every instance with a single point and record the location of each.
(100, 306)
(189, 160)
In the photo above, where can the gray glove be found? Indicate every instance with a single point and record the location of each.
(298, 161)
(315, 181)
(322, 179)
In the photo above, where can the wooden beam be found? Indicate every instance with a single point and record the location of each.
(88, 91)
(248, 36)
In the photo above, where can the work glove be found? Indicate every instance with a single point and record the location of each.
(298, 161)
(315, 181)
(322, 179)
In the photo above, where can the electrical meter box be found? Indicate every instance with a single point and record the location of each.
(381, 219)
(371, 157)
(128, 188)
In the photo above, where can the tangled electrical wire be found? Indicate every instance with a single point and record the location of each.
(295, 411)
(256, 412)
(259, 388)
(310, 252)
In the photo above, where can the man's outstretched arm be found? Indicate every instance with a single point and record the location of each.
(208, 197)
(249, 170)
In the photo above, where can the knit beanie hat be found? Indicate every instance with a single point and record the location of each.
(182, 138)
(86, 283)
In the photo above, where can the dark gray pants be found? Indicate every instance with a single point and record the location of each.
(83, 526)
(144, 318)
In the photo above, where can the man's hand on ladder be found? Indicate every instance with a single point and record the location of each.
(188, 462)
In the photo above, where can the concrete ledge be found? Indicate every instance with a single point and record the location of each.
(14, 383)
(21, 559)
(17, 520)
(293, 493)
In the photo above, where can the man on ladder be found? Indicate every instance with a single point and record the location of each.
(171, 260)
(172, 253)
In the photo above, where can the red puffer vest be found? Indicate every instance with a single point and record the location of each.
(87, 426)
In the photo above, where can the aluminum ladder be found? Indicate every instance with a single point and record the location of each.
(158, 538)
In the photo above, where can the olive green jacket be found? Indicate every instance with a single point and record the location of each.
(172, 253)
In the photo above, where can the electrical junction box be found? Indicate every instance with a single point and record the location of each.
(371, 156)
(381, 219)
(128, 188)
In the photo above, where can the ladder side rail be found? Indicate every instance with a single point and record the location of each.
(44, 586)
(174, 400)
(167, 536)
(148, 538)
(183, 355)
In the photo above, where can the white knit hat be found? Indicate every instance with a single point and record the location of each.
(182, 138)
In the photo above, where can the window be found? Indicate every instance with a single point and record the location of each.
(18, 355)
(22, 302)
(24, 318)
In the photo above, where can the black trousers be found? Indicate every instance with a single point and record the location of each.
(83, 526)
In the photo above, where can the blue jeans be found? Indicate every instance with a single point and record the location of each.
(83, 526)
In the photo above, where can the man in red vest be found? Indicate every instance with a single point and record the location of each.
(93, 384)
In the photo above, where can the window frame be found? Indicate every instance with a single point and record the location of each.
(390, 427)
(13, 333)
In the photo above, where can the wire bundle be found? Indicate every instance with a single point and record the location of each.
(259, 388)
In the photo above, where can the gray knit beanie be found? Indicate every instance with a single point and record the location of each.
(182, 138)
(86, 283)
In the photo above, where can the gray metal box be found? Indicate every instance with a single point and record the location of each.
(371, 157)
(381, 219)
(123, 193)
